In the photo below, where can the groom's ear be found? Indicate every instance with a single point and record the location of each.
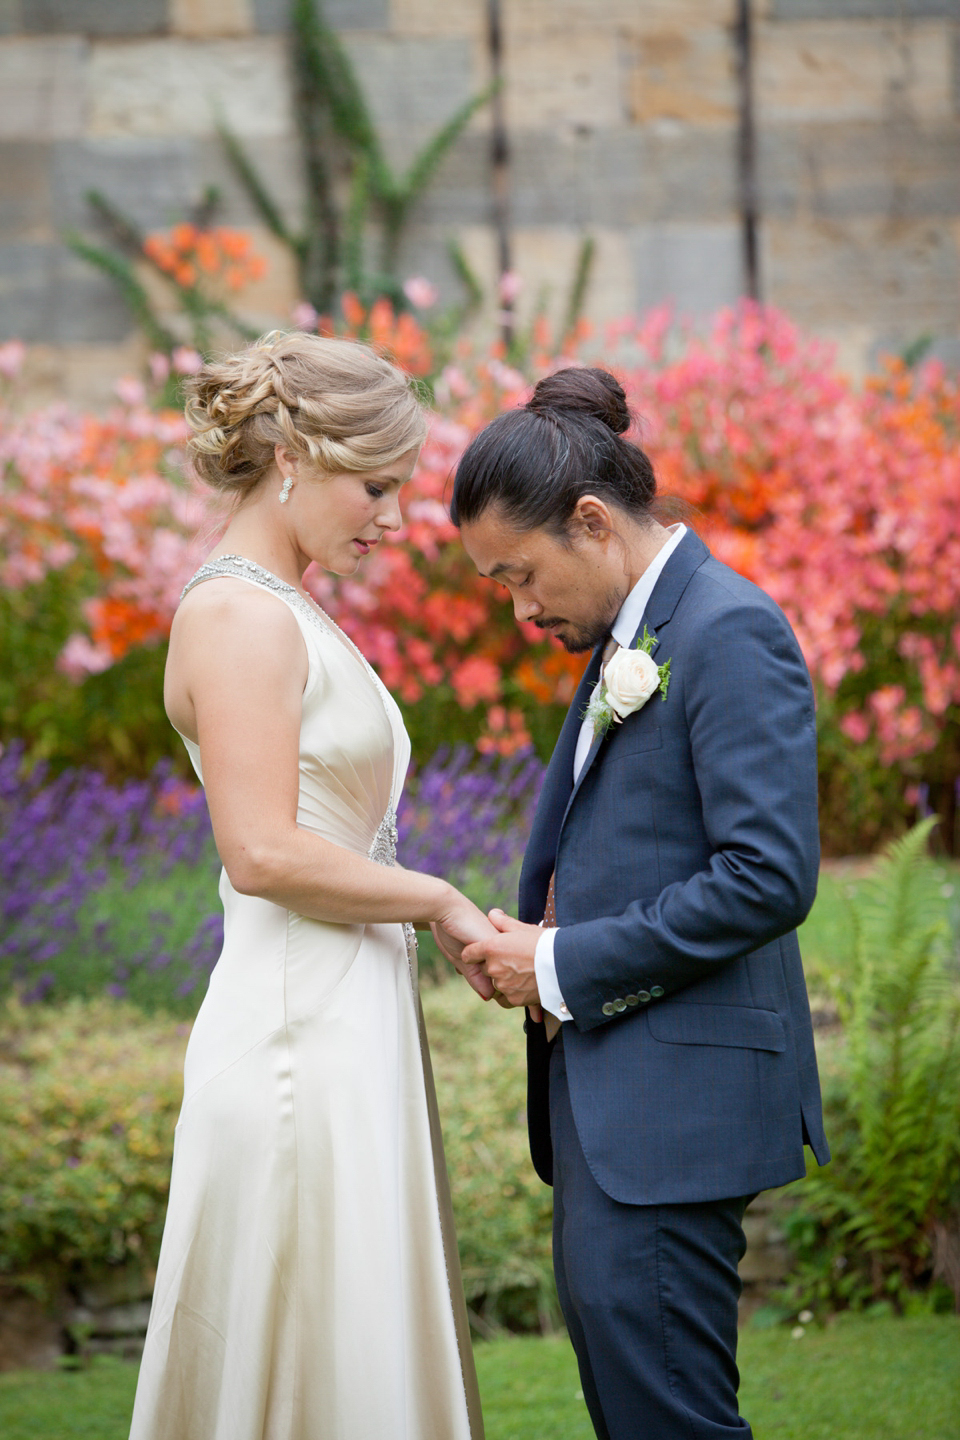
(591, 519)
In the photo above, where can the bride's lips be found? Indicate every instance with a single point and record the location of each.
(365, 546)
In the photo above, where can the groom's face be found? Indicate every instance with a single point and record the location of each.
(572, 586)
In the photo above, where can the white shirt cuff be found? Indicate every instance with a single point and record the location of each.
(546, 972)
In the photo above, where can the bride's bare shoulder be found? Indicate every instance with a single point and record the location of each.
(225, 618)
(225, 603)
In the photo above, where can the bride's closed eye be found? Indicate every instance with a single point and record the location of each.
(375, 492)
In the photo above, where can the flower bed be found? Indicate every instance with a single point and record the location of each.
(840, 502)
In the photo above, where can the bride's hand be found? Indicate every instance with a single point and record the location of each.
(460, 924)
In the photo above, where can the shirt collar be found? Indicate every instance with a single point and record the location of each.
(627, 622)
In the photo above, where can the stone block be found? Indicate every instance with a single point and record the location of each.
(11, 20)
(119, 1285)
(625, 177)
(31, 1335)
(94, 17)
(152, 181)
(844, 70)
(557, 80)
(698, 267)
(433, 19)
(837, 171)
(768, 1264)
(177, 87)
(679, 73)
(412, 86)
(41, 88)
(25, 191)
(902, 277)
(535, 17)
(273, 15)
(202, 18)
(81, 375)
(115, 1320)
(47, 294)
(862, 9)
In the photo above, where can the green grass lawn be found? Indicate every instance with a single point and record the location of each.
(860, 1379)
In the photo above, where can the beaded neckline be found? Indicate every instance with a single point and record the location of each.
(236, 566)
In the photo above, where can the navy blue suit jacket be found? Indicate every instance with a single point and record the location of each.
(685, 856)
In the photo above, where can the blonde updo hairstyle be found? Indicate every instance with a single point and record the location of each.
(336, 404)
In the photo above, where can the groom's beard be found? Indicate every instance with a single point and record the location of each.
(577, 636)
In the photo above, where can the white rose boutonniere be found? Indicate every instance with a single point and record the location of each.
(630, 678)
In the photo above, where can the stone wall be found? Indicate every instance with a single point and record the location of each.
(622, 119)
(110, 1316)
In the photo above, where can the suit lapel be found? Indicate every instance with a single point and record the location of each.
(671, 583)
(540, 855)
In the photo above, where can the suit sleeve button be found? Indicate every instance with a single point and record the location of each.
(643, 996)
(619, 1006)
(609, 1008)
(656, 991)
(632, 1000)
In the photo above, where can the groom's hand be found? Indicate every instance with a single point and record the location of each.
(508, 958)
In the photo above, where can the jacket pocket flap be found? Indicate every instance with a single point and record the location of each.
(736, 1025)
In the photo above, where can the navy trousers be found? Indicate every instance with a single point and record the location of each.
(649, 1294)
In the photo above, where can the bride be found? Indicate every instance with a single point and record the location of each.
(308, 1284)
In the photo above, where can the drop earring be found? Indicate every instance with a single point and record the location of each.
(285, 489)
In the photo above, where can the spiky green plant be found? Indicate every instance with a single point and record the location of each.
(337, 133)
(865, 1225)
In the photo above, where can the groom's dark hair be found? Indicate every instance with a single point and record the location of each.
(534, 463)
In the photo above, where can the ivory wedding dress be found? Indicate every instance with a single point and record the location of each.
(308, 1285)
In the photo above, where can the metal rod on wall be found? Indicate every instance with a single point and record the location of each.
(746, 149)
(500, 165)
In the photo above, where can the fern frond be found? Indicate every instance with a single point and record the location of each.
(121, 272)
(425, 163)
(581, 279)
(249, 177)
(465, 274)
(124, 231)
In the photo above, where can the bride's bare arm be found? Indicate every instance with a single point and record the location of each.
(235, 680)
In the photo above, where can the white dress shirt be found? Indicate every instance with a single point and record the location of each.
(623, 630)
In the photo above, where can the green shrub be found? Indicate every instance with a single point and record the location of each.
(864, 1226)
(89, 1096)
(503, 1211)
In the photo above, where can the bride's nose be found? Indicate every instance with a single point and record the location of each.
(389, 516)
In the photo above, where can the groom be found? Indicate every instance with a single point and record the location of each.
(673, 853)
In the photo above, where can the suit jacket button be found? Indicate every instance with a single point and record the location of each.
(656, 991)
(632, 1000)
(619, 1006)
(609, 1008)
(643, 996)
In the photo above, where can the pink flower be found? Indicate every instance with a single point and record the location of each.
(476, 679)
(304, 316)
(159, 367)
(130, 392)
(420, 292)
(80, 658)
(508, 287)
(186, 361)
(12, 356)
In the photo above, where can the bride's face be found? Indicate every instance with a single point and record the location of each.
(338, 519)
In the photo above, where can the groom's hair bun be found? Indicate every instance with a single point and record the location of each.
(335, 403)
(536, 462)
(584, 391)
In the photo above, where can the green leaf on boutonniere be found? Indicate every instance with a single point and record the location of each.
(646, 645)
(599, 711)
